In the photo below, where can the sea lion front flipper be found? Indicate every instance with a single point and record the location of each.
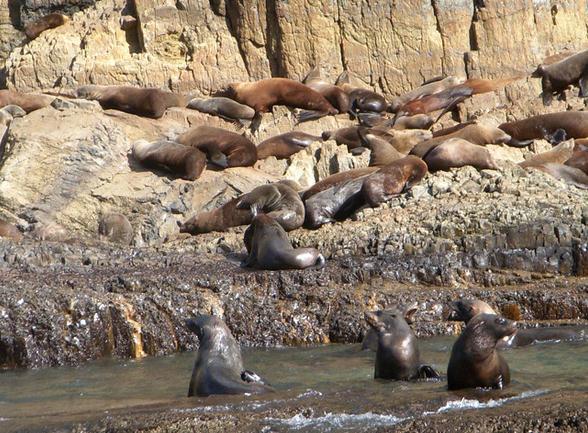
(427, 372)
(547, 98)
(519, 143)
(558, 136)
(583, 84)
(223, 384)
(252, 377)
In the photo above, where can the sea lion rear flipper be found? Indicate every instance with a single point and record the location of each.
(313, 74)
(516, 143)
(454, 102)
(307, 115)
(427, 372)
(583, 85)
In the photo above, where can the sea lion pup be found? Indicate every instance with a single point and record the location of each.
(9, 231)
(285, 145)
(218, 368)
(370, 341)
(34, 29)
(115, 227)
(424, 90)
(269, 248)
(397, 355)
(361, 100)
(148, 102)
(27, 101)
(474, 360)
(262, 95)
(392, 180)
(574, 123)
(457, 152)
(558, 76)
(184, 161)
(559, 155)
(336, 179)
(334, 94)
(224, 148)
(476, 133)
(279, 200)
(223, 107)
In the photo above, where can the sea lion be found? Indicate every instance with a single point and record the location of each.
(476, 133)
(285, 145)
(9, 231)
(354, 137)
(27, 101)
(224, 148)
(559, 155)
(422, 91)
(381, 152)
(474, 360)
(223, 107)
(334, 94)
(579, 158)
(9, 112)
(218, 368)
(115, 227)
(565, 173)
(574, 123)
(49, 231)
(336, 179)
(397, 355)
(348, 136)
(279, 200)
(262, 95)
(50, 21)
(184, 161)
(558, 76)
(392, 180)
(457, 152)
(361, 100)
(148, 102)
(381, 122)
(370, 341)
(465, 309)
(269, 248)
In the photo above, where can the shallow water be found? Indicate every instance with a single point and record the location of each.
(335, 383)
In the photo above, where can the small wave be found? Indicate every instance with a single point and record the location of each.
(310, 393)
(4, 419)
(465, 403)
(339, 421)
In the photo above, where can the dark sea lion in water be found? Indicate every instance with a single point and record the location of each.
(337, 178)
(361, 100)
(269, 248)
(456, 152)
(397, 354)
(148, 102)
(27, 101)
(285, 145)
(279, 200)
(218, 368)
(332, 93)
(50, 21)
(262, 95)
(558, 76)
(223, 107)
(224, 148)
(183, 161)
(574, 123)
(392, 180)
(465, 309)
(422, 91)
(9, 231)
(115, 227)
(370, 341)
(474, 361)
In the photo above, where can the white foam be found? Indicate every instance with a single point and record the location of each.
(310, 393)
(465, 403)
(339, 421)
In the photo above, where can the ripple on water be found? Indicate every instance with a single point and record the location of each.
(336, 421)
(465, 403)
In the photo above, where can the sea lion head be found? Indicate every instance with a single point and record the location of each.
(391, 320)
(539, 72)
(14, 110)
(229, 91)
(484, 330)
(465, 309)
(206, 327)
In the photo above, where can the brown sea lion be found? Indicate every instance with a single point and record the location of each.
(424, 90)
(579, 158)
(574, 123)
(115, 227)
(279, 200)
(559, 155)
(9, 112)
(269, 248)
(361, 100)
(558, 76)
(474, 360)
(27, 101)
(285, 145)
(370, 341)
(34, 29)
(262, 95)
(148, 102)
(381, 122)
(476, 133)
(381, 152)
(354, 137)
(336, 179)
(397, 355)
(457, 152)
(223, 107)
(9, 231)
(334, 94)
(183, 161)
(224, 148)
(218, 368)
(392, 180)
(565, 173)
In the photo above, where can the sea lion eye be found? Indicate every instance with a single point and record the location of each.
(500, 321)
